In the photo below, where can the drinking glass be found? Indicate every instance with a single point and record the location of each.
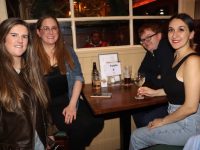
(127, 71)
(139, 80)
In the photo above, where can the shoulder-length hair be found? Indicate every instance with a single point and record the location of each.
(61, 53)
(12, 89)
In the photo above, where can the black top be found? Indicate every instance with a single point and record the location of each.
(155, 65)
(173, 87)
(57, 84)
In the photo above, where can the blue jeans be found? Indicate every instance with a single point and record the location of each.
(193, 143)
(38, 143)
(142, 117)
(176, 133)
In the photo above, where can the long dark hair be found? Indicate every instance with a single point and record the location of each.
(61, 53)
(12, 89)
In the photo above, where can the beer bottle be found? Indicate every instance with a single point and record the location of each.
(96, 82)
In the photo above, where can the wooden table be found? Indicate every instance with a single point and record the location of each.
(121, 102)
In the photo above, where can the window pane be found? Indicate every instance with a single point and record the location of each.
(33, 9)
(93, 8)
(102, 33)
(67, 32)
(155, 7)
(138, 23)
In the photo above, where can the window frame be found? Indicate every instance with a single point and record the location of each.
(73, 19)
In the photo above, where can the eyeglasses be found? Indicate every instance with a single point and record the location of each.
(48, 30)
(147, 39)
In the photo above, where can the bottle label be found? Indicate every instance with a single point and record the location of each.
(96, 84)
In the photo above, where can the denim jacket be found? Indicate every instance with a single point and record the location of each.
(75, 74)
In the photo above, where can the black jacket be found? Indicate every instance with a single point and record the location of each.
(155, 65)
(17, 127)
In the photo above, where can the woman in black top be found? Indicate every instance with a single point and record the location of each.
(182, 87)
(62, 71)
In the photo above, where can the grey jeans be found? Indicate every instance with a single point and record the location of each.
(171, 134)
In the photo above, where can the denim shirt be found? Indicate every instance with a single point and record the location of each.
(75, 74)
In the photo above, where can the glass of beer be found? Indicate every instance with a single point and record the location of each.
(127, 72)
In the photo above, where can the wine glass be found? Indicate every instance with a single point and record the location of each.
(139, 80)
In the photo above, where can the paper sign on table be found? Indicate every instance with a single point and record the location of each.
(112, 69)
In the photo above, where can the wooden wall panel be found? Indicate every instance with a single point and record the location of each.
(109, 138)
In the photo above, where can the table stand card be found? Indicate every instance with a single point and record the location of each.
(110, 68)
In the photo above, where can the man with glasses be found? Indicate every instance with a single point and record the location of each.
(157, 61)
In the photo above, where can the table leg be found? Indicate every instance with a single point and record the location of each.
(125, 130)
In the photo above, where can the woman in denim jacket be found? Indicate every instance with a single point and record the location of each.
(62, 71)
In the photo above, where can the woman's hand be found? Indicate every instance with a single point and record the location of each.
(150, 92)
(70, 111)
(156, 123)
(146, 91)
(70, 114)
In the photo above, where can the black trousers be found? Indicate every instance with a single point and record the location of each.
(82, 130)
(143, 116)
